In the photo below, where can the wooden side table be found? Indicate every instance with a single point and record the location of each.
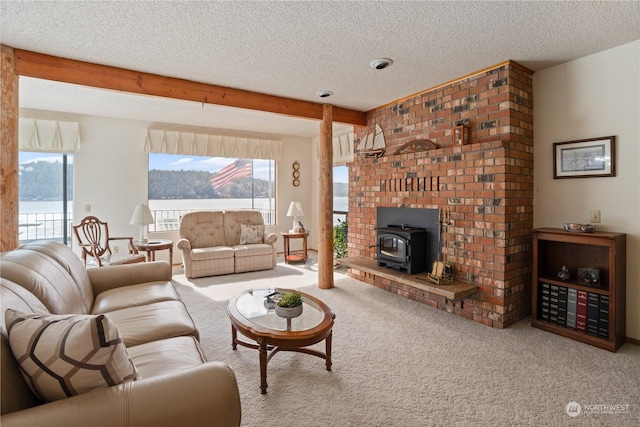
(296, 256)
(154, 245)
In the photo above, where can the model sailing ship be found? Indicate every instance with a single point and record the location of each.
(373, 144)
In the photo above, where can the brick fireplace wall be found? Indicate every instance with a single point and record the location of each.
(487, 184)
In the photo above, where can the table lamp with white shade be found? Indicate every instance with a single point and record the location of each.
(295, 210)
(142, 217)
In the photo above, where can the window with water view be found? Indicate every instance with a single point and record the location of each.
(178, 184)
(340, 193)
(46, 196)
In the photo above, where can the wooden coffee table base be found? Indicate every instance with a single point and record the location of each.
(267, 350)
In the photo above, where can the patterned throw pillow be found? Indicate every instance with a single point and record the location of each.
(251, 234)
(65, 355)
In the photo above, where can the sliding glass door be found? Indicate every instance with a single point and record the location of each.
(46, 196)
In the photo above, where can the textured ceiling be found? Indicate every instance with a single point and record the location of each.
(294, 49)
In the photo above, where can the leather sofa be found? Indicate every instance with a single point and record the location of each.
(176, 384)
(214, 243)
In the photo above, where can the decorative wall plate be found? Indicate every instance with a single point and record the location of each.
(296, 173)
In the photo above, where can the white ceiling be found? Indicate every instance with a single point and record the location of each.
(294, 49)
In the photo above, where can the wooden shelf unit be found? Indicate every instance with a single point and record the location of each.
(554, 248)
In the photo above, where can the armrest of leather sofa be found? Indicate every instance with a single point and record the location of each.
(114, 276)
(204, 395)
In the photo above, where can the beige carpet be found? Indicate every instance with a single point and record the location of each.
(400, 363)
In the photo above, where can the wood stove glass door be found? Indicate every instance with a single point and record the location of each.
(393, 247)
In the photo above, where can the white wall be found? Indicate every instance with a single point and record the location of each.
(296, 149)
(111, 175)
(594, 96)
(110, 172)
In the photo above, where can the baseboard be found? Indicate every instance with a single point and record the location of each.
(632, 341)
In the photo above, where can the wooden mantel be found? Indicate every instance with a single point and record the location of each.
(455, 291)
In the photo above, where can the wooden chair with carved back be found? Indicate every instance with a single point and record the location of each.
(93, 237)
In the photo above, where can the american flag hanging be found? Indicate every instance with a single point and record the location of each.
(239, 169)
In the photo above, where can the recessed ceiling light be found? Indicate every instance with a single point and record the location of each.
(324, 93)
(381, 63)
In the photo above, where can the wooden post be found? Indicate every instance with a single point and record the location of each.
(9, 116)
(325, 226)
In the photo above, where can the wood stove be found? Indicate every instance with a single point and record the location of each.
(402, 248)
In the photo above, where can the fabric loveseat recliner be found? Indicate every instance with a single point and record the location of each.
(175, 384)
(223, 242)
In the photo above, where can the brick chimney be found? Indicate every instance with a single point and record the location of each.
(486, 183)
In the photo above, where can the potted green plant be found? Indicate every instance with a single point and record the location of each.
(289, 305)
(340, 233)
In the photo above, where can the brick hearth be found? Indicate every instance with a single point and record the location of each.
(487, 184)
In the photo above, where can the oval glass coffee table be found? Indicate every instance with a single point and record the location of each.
(253, 315)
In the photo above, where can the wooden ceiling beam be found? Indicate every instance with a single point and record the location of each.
(38, 65)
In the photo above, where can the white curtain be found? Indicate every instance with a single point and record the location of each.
(203, 144)
(51, 136)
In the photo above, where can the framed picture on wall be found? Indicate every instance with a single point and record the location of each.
(584, 158)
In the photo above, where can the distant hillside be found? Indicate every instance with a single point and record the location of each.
(42, 181)
(197, 185)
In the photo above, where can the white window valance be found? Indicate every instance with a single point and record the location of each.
(204, 144)
(51, 136)
(343, 149)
